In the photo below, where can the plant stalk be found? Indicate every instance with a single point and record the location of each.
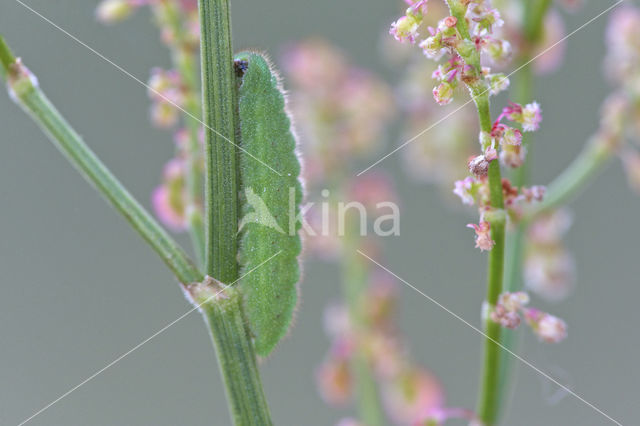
(26, 92)
(237, 359)
(489, 401)
(574, 178)
(220, 102)
(355, 278)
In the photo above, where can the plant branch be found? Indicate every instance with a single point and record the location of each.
(575, 177)
(354, 288)
(26, 92)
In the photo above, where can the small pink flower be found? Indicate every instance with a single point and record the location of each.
(166, 210)
(405, 29)
(531, 117)
(535, 193)
(528, 116)
(490, 153)
(513, 301)
(464, 189)
(443, 93)
(505, 134)
(112, 11)
(512, 155)
(450, 21)
(483, 235)
(547, 327)
(334, 381)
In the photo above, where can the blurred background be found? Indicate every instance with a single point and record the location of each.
(78, 288)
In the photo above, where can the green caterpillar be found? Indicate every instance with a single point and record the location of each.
(270, 203)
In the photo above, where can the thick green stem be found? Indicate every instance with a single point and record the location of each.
(355, 278)
(28, 95)
(221, 163)
(237, 359)
(230, 332)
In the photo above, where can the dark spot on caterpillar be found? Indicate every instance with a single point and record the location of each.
(240, 66)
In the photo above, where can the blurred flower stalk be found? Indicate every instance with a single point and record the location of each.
(472, 36)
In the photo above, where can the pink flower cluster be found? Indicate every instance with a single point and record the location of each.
(446, 39)
(511, 306)
(473, 190)
(410, 393)
(166, 92)
(113, 11)
(549, 268)
(622, 109)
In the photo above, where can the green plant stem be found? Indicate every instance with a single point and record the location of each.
(220, 101)
(184, 58)
(354, 280)
(575, 177)
(33, 101)
(488, 400)
(488, 403)
(237, 359)
(230, 332)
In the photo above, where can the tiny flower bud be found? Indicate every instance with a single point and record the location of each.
(450, 21)
(504, 317)
(547, 327)
(465, 189)
(405, 29)
(443, 93)
(483, 235)
(479, 166)
(531, 117)
(112, 11)
(512, 155)
(497, 83)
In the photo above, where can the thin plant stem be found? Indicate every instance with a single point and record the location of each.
(184, 58)
(354, 288)
(575, 178)
(226, 320)
(26, 92)
(488, 400)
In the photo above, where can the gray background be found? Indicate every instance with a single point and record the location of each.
(78, 288)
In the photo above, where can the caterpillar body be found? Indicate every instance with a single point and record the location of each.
(270, 202)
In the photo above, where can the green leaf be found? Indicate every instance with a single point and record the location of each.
(270, 202)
